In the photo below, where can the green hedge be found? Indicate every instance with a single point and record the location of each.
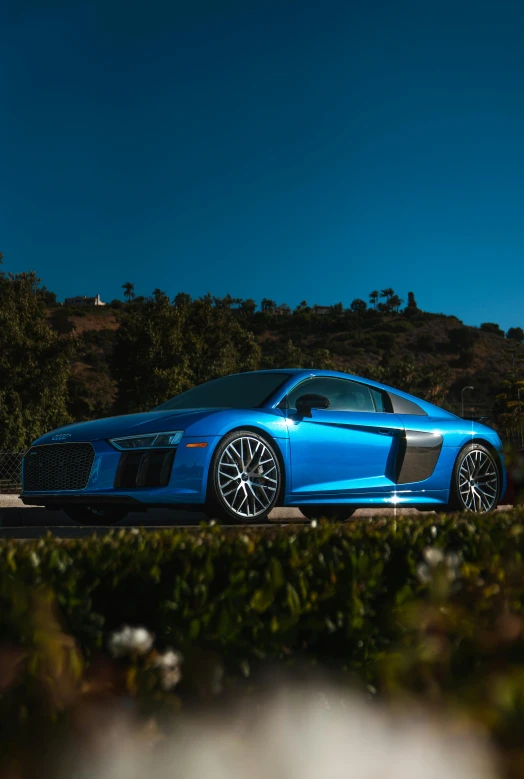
(423, 605)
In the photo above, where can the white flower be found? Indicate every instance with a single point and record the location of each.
(433, 556)
(423, 573)
(129, 640)
(169, 664)
(169, 659)
(452, 559)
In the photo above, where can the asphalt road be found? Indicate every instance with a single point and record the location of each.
(24, 522)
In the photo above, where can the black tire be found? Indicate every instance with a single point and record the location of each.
(253, 490)
(475, 482)
(95, 516)
(336, 512)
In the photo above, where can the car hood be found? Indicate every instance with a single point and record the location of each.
(129, 424)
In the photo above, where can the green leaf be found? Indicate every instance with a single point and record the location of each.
(292, 599)
(262, 599)
(276, 573)
(194, 628)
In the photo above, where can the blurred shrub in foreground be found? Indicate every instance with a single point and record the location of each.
(413, 609)
(295, 733)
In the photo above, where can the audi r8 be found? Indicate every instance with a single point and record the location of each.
(236, 447)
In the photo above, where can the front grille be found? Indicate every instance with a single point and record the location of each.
(58, 467)
(144, 468)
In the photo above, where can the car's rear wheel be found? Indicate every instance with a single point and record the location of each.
(475, 483)
(94, 515)
(336, 512)
(245, 478)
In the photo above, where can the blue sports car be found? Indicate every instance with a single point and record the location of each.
(238, 446)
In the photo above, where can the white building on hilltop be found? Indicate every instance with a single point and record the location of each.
(83, 300)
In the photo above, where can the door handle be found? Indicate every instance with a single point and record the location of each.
(385, 431)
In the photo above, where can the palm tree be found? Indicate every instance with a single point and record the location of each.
(394, 302)
(129, 291)
(373, 296)
(387, 293)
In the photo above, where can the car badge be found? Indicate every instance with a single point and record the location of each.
(61, 436)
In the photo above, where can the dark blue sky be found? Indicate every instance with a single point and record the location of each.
(268, 148)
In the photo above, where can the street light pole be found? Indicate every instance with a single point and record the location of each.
(462, 397)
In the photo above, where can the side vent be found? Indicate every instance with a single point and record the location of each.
(417, 456)
(144, 469)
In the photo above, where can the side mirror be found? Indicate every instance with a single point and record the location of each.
(306, 402)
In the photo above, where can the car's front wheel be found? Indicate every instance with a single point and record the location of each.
(245, 478)
(475, 483)
(92, 515)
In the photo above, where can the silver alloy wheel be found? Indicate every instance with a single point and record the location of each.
(478, 481)
(247, 476)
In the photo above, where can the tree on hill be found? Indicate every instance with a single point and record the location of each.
(247, 307)
(217, 343)
(162, 349)
(358, 306)
(509, 404)
(149, 360)
(373, 297)
(267, 305)
(302, 308)
(129, 291)
(35, 364)
(515, 334)
(491, 327)
(182, 300)
(289, 355)
(284, 355)
(394, 302)
(387, 293)
(228, 301)
(461, 339)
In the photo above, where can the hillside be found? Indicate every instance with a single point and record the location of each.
(431, 355)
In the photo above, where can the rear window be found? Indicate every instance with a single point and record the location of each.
(381, 400)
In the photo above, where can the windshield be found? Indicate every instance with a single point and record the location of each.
(244, 390)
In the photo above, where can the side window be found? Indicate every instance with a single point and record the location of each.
(344, 395)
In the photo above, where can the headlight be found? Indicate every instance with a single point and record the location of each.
(150, 441)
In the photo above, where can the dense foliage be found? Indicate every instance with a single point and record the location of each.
(35, 363)
(430, 607)
(163, 349)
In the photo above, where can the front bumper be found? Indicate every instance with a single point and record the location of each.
(187, 484)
